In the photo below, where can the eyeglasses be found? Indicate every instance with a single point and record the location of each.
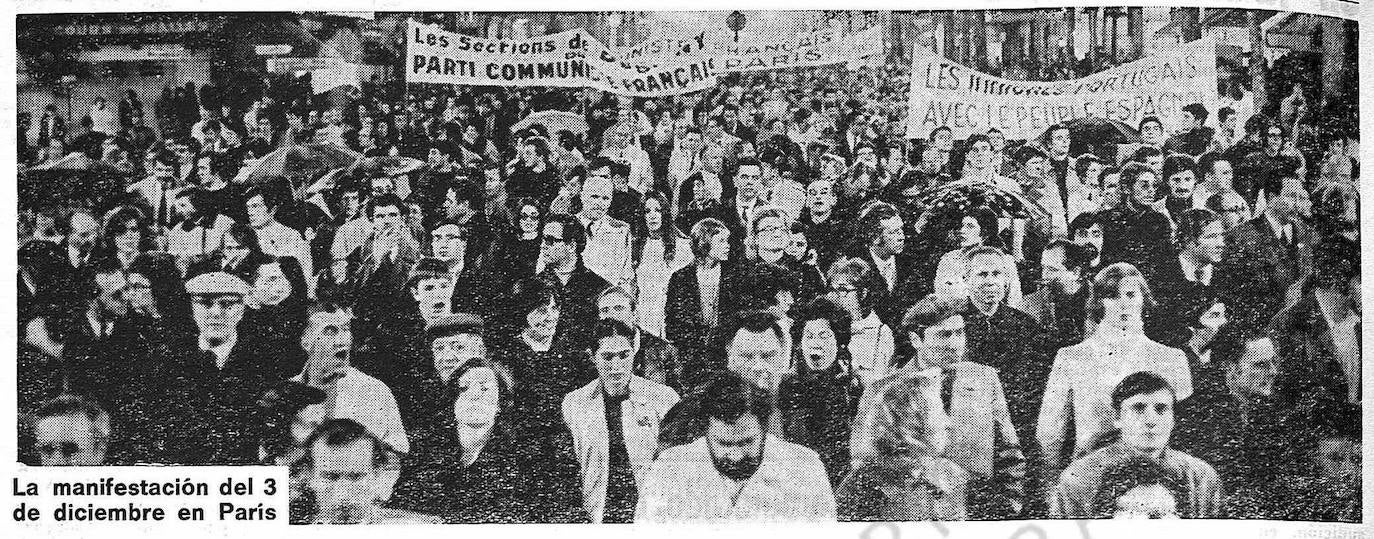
(449, 237)
(223, 302)
(774, 229)
(530, 216)
(550, 240)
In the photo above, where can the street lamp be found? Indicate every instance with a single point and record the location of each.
(736, 22)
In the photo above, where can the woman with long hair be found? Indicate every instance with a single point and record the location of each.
(659, 249)
(125, 232)
(156, 291)
(279, 300)
(1081, 381)
(978, 227)
(531, 174)
(521, 244)
(899, 474)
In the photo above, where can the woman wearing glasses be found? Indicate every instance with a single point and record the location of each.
(819, 398)
(517, 248)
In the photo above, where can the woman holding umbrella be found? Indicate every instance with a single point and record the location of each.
(980, 185)
(977, 228)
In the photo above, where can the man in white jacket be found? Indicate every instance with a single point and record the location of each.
(614, 423)
(608, 239)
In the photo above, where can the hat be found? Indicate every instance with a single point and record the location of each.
(1197, 110)
(427, 268)
(454, 324)
(216, 284)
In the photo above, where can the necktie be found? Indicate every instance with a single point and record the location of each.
(947, 387)
(162, 205)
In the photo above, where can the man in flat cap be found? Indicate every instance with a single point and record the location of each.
(212, 386)
(453, 341)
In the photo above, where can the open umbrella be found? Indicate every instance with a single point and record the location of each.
(298, 163)
(555, 121)
(388, 166)
(958, 196)
(73, 181)
(1094, 134)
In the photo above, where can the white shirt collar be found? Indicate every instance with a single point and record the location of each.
(222, 351)
(1279, 230)
(1190, 269)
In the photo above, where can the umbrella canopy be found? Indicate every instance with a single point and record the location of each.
(956, 197)
(555, 121)
(1093, 134)
(298, 163)
(75, 180)
(395, 168)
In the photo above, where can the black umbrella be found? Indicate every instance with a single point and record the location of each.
(73, 181)
(1094, 134)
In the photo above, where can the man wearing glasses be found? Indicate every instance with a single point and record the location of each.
(211, 391)
(472, 285)
(1272, 160)
(560, 263)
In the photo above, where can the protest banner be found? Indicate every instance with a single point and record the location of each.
(944, 93)
(757, 51)
(576, 59)
(571, 59)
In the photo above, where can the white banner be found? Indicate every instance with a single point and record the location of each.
(572, 59)
(576, 59)
(755, 51)
(944, 93)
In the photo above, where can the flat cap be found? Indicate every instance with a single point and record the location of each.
(454, 324)
(217, 284)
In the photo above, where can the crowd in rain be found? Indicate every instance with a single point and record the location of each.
(766, 301)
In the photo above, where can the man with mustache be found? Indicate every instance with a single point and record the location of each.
(738, 471)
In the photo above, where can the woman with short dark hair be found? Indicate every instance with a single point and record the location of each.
(478, 464)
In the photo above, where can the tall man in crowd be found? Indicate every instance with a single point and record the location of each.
(1266, 255)
(984, 441)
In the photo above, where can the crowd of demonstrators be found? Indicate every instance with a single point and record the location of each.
(735, 304)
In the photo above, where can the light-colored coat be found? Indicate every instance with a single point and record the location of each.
(980, 422)
(1080, 390)
(584, 411)
(608, 250)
